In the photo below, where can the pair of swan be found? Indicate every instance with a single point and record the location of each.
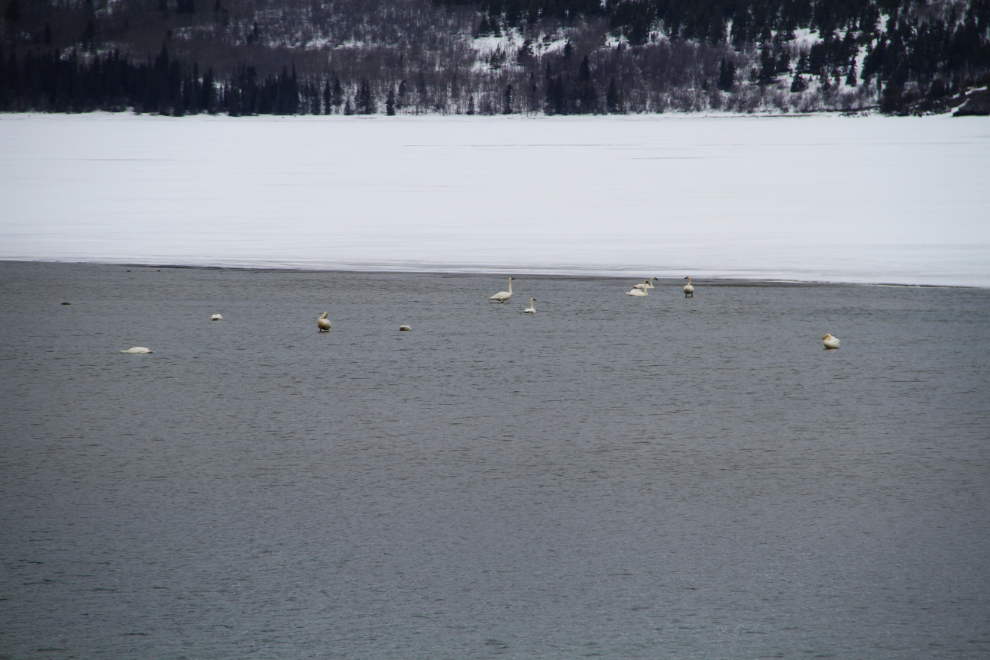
(137, 349)
(216, 317)
(830, 341)
(640, 290)
(503, 296)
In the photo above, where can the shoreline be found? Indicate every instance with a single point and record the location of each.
(714, 280)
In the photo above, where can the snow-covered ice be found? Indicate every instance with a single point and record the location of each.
(824, 198)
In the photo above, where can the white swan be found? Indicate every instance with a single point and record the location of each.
(530, 309)
(639, 293)
(405, 328)
(645, 285)
(137, 349)
(323, 322)
(502, 296)
(688, 289)
(216, 317)
(830, 341)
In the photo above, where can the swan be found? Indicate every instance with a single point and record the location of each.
(137, 349)
(323, 322)
(216, 317)
(405, 328)
(530, 309)
(830, 341)
(644, 285)
(502, 296)
(639, 293)
(688, 289)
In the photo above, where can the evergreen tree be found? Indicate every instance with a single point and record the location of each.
(612, 98)
(726, 75)
(507, 101)
(851, 78)
(338, 94)
(365, 101)
(390, 103)
(768, 66)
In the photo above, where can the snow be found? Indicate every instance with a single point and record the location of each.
(814, 198)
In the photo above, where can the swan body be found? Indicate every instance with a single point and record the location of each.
(530, 309)
(323, 322)
(405, 328)
(688, 289)
(502, 296)
(216, 317)
(645, 285)
(137, 349)
(639, 293)
(830, 341)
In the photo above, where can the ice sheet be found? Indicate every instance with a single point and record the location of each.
(817, 198)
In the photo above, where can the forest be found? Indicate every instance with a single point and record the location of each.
(555, 57)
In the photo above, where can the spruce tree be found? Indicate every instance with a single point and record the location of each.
(390, 103)
(726, 75)
(612, 98)
(851, 78)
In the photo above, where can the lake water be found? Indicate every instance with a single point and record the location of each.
(610, 477)
(822, 198)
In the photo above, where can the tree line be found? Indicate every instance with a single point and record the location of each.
(246, 57)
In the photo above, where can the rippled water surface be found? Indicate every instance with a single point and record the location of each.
(612, 477)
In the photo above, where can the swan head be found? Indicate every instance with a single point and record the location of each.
(511, 278)
(827, 337)
(688, 278)
(324, 315)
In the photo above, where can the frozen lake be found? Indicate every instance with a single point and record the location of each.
(823, 198)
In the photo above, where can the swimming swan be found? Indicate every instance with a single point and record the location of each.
(323, 322)
(639, 293)
(644, 285)
(530, 309)
(216, 317)
(688, 289)
(137, 349)
(405, 328)
(502, 296)
(830, 341)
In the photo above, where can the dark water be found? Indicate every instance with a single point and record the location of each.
(613, 477)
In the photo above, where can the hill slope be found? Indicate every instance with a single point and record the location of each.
(491, 56)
